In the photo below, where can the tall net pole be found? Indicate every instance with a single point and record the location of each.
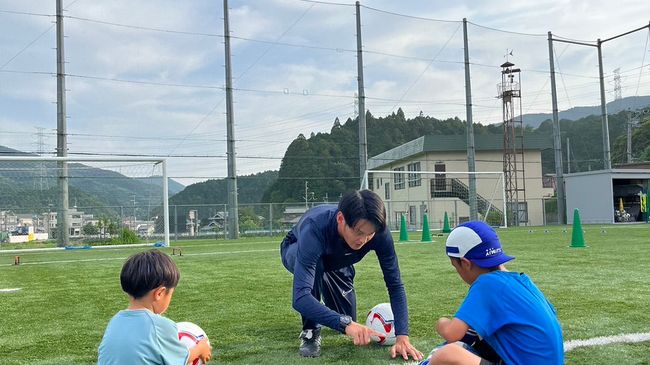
(471, 151)
(63, 233)
(233, 217)
(363, 144)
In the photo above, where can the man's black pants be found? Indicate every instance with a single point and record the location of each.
(335, 287)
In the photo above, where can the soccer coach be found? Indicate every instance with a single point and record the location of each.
(320, 251)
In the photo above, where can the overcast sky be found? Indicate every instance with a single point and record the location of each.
(147, 77)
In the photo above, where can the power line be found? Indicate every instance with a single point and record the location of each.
(154, 83)
(410, 16)
(26, 47)
(26, 13)
(510, 32)
(140, 27)
(426, 68)
(325, 3)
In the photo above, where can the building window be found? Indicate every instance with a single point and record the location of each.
(414, 179)
(440, 179)
(387, 191)
(399, 178)
(371, 181)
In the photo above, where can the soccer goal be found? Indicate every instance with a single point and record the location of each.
(108, 198)
(414, 194)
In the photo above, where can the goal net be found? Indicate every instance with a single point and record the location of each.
(414, 194)
(108, 199)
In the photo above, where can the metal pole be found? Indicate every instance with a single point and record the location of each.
(61, 132)
(607, 163)
(568, 156)
(629, 137)
(270, 219)
(233, 218)
(471, 151)
(165, 202)
(557, 144)
(363, 144)
(175, 223)
(306, 206)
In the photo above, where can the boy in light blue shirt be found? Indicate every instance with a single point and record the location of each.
(139, 335)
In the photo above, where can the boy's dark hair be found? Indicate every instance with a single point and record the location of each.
(146, 271)
(363, 204)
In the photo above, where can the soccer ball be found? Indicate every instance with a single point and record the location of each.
(190, 334)
(380, 318)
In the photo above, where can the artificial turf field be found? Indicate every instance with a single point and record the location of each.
(240, 293)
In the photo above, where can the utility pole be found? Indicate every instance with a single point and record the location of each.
(134, 219)
(306, 196)
(363, 144)
(557, 144)
(471, 150)
(233, 217)
(568, 156)
(607, 163)
(63, 236)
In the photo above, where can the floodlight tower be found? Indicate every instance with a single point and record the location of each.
(509, 91)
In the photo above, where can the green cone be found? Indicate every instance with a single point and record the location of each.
(445, 227)
(403, 234)
(577, 238)
(426, 235)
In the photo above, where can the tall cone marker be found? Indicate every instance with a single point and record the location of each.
(577, 238)
(426, 235)
(445, 227)
(403, 234)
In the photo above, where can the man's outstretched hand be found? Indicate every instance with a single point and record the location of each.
(360, 334)
(404, 348)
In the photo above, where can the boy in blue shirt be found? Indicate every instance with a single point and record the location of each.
(139, 335)
(515, 323)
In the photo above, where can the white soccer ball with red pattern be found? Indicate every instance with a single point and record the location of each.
(380, 318)
(190, 334)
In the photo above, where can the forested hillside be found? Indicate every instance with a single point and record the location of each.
(329, 161)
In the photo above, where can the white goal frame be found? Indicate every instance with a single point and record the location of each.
(364, 181)
(68, 159)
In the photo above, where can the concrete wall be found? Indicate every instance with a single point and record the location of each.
(591, 194)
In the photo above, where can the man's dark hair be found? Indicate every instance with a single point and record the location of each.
(146, 271)
(363, 204)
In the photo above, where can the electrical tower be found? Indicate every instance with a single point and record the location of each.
(618, 95)
(509, 90)
(40, 150)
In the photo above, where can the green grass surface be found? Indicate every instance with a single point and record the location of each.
(240, 294)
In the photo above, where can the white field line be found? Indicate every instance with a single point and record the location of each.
(9, 290)
(119, 247)
(124, 258)
(606, 340)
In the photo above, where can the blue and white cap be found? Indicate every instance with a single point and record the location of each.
(477, 242)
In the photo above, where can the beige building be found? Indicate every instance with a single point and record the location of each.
(426, 176)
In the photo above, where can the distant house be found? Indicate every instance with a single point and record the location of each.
(291, 215)
(8, 220)
(146, 229)
(217, 221)
(76, 220)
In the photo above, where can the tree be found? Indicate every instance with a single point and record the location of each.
(89, 229)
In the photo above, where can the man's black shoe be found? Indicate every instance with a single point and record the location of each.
(310, 343)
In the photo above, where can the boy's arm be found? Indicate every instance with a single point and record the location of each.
(202, 350)
(451, 329)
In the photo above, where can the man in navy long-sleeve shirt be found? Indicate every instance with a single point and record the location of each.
(320, 252)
